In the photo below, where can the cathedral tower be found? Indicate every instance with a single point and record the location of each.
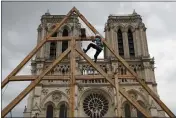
(96, 97)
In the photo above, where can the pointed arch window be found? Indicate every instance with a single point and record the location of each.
(53, 46)
(127, 111)
(63, 111)
(131, 43)
(139, 114)
(120, 43)
(53, 50)
(64, 43)
(49, 112)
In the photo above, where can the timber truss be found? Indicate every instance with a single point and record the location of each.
(73, 49)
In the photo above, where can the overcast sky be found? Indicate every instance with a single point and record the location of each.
(19, 35)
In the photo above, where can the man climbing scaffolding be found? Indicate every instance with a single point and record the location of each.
(98, 46)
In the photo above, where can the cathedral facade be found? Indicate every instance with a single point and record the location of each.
(96, 97)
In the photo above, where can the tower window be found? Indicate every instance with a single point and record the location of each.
(131, 43)
(64, 43)
(53, 49)
(120, 43)
(49, 113)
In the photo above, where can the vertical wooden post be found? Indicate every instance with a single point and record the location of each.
(118, 110)
(162, 105)
(72, 81)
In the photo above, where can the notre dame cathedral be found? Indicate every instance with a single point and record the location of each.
(94, 98)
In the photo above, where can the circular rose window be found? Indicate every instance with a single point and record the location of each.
(95, 105)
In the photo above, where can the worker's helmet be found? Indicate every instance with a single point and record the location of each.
(97, 35)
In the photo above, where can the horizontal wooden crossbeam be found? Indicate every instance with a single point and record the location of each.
(90, 38)
(33, 52)
(95, 66)
(38, 78)
(66, 77)
(33, 84)
(151, 93)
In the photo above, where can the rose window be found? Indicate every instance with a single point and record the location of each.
(95, 105)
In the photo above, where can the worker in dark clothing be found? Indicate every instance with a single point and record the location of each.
(98, 46)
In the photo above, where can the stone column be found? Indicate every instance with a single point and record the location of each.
(116, 47)
(135, 42)
(109, 38)
(44, 32)
(76, 100)
(38, 40)
(138, 43)
(42, 48)
(105, 48)
(125, 43)
(142, 40)
(112, 38)
(146, 52)
(47, 46)
(59, 45)
(147, 71)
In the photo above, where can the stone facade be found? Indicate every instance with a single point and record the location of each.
(95, 98)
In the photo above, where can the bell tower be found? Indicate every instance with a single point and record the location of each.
(127, 34)
(53, 49)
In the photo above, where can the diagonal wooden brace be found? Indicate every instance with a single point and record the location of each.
(153, 95)
(10, 106)
(136, 104)
(31, 54)
(95, 66)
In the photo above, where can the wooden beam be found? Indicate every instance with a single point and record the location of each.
(86, 22)
(89, 38)
(144, 85)
(92, 28)
(31, 54)
(153, 95)
(95, 66)
(62, 77)
(10, 106)
(135, 103)
(65, 38)
(112, 83)
(26, 59)
(72, 77)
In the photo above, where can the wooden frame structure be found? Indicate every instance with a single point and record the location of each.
(73, 49)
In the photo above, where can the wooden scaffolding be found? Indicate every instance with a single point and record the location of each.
(73, 49)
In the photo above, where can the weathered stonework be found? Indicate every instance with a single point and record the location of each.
(57, 93)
